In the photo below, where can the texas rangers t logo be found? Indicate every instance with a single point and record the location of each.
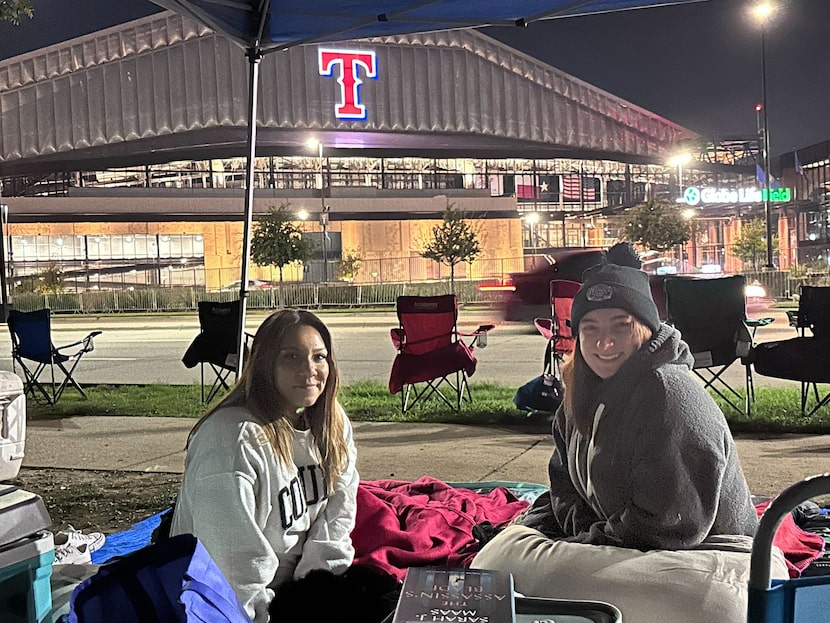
(349, 62)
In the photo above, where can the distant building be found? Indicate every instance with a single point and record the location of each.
(122, 154)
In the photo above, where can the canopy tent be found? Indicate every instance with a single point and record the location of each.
(263, 26)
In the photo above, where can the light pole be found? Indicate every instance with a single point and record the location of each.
(679, 160)
(763, 12)
(324, 209)
(532, 219)
(689, 214)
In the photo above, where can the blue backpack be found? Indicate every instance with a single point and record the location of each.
(173, 581)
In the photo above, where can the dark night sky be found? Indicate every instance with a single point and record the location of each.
(698, 65)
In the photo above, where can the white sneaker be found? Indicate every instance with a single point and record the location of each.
(73, 555)
(94, 540)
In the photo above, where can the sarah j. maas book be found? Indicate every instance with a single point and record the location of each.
(456, 596)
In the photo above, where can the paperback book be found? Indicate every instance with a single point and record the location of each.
(456, 596)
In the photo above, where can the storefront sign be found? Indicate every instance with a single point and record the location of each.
(695, 196)
(348, 63)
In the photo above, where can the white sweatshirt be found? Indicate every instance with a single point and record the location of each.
(264, 522)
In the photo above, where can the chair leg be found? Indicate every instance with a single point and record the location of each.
(202, 379)
(429, 389)
(69, 380)
(709, 383)
(805, 394)
(219, 383)
(32, 385)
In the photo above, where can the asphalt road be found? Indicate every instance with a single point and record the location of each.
(149, 348)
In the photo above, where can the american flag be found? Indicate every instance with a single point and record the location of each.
(570, 188)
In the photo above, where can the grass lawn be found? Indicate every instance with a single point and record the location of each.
(775, 410)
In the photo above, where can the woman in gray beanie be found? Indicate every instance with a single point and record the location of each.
(648, 508)
(644, 458)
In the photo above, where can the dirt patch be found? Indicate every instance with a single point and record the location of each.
(102, 501)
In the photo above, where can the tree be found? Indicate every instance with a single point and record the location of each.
(453, 241)
(50, 281)
(751, 245)
(13, 10)
(277, 241)
(658, 225)
(349, 265)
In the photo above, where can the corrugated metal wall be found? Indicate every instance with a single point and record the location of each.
(166, 75)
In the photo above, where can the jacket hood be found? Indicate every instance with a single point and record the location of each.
(667, 347)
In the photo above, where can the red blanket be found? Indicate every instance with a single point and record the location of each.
(800, 547)
(403, 524)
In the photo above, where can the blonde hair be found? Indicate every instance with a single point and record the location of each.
(257, 391)
(581, 383)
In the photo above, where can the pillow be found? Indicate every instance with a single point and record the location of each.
(687, 586)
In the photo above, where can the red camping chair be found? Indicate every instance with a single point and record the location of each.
(431, 351)
(557, 329)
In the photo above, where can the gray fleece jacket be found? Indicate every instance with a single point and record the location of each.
(659, 469)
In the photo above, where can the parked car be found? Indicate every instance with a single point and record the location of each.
(527, 294)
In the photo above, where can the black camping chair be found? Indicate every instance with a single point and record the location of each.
(805, 358)
(216, 346)
(34, 352)
(711, 317)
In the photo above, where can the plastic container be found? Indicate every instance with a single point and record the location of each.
(25, 579)
(12, 424)
(800, 600)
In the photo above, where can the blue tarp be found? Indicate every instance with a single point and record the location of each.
(278, 24)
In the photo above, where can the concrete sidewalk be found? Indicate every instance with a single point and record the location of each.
(453, 453)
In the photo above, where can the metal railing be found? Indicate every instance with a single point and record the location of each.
(309, 296)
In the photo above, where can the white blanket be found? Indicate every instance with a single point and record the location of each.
(648, 587)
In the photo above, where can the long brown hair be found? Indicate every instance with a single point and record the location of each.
(257, 391)
(581, 383)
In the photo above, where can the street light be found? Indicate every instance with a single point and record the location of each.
(763, 12)
(678, 160)
(324, 209)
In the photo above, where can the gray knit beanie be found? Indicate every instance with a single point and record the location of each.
(609, 285)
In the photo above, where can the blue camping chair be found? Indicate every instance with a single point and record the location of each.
(800, 600)
(34, 352)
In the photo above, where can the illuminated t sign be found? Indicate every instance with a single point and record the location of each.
(349, 80)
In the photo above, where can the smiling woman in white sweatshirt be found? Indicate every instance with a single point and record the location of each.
(270, 481)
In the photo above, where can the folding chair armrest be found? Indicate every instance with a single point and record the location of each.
(85, 343)
(545, 327)
(397, 336)
(792, 318)
(484, 328)
(754, 323)
(479, 335)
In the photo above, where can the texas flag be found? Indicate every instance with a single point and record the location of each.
(526, 187)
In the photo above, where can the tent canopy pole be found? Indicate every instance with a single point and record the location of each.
(254, 57)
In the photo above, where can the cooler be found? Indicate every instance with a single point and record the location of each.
(25, 576)
(12, 424)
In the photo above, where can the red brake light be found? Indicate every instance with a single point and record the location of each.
(497, 286)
